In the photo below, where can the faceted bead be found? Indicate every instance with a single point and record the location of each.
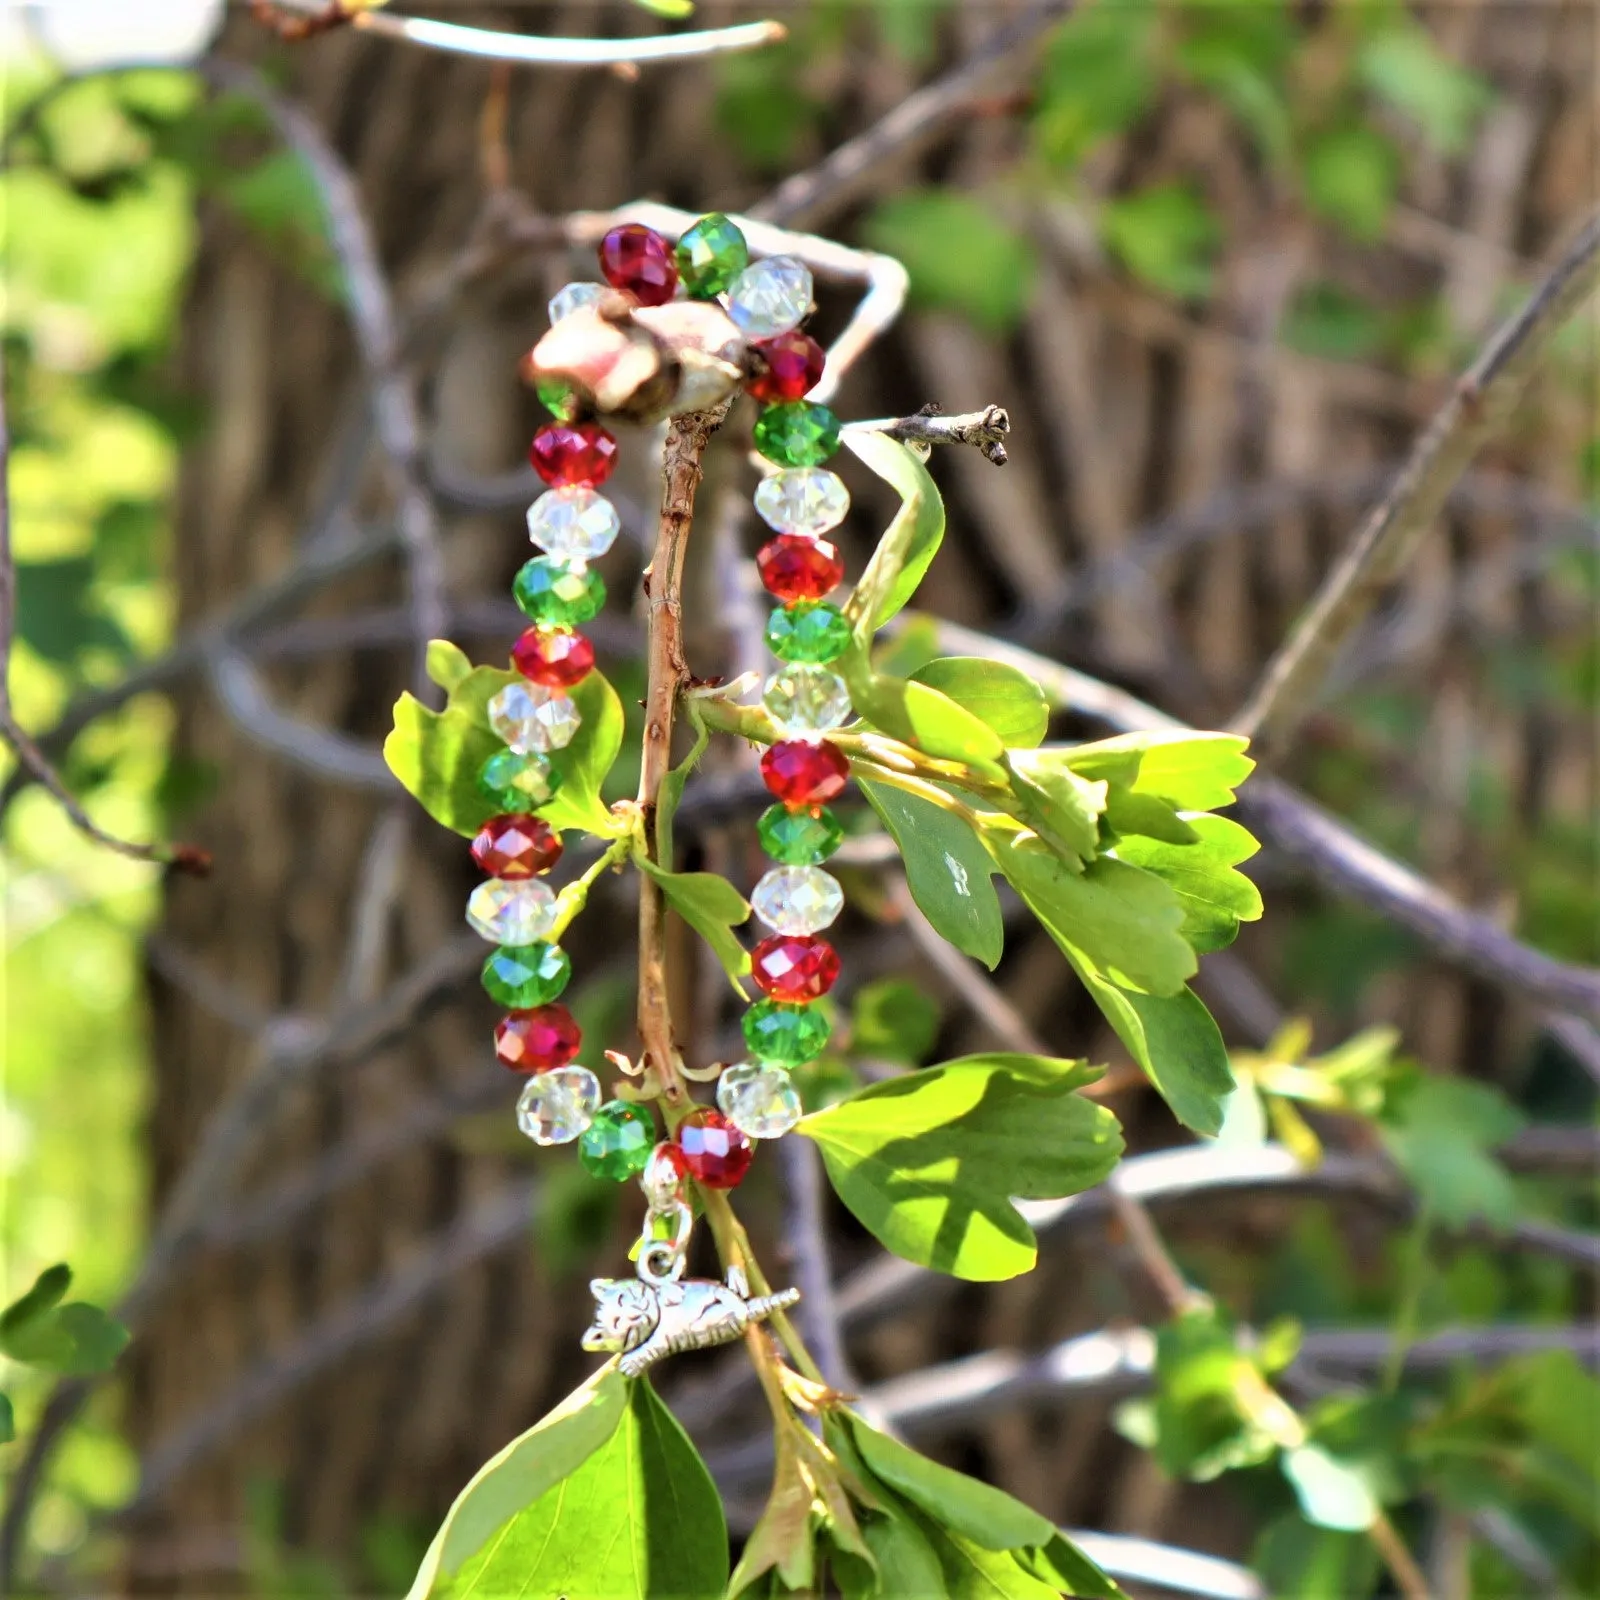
(638, 260)
(806, 699)
(791, 1035)
(574, 524)
(568, 454)
(785, 368)
(710, 256)
(770, 297)
(558, 658)
(809, 630)
(558, 1105)
(794, 967)
(536, 1040)
(804, 772)
(759, 1099)
(716, 1152)
(799, 838)
(557, 397)
(513, 781)
(795, 566)
(618, 1143)
(558, 593)
(519, 976)
(530, 717)
(516, 846)
(803, 500)
(797, 899)
(799, 433)
(512, 910)
(574, 297)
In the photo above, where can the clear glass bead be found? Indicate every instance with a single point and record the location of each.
(531, 718)
(506, 911)
(797, 899)
(574, 524)
(802, 500)
(574, 297)
(802, 698)
(557, 1106)
(770, 297)
(759, 1099)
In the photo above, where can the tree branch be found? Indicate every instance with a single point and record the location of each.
(986, 429)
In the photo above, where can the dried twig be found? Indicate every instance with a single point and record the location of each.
(986, 429)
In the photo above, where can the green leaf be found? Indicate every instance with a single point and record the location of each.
(447, 663)
(584, 763)
(1350, 177)
(1202, 1425)
(947, 870)
(1300, 1562)
(1098, 76)
(1191, 771)
(1064, 807)
(908, 1568)
(1332, 1493)
(1215, 898)
(972, 1572)
(1442, 1135)
(1165, 236)
(1112, 919)
(893, 1020)
(1405, 67)
(437, 755)
(920, 717)
(8, 1419)
(910, 542)
(48, 1290)
(672, 786)
(959, 254)
(73, 1339)
(667, 8)
(1008, 700)
(1062, 1563)
(713, 908)
(930, 1163)
(56, 612)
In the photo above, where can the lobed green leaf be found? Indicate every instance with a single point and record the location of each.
(1008, 700)
(1215, 898)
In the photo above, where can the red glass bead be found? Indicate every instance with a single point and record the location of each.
(537, 1040)
(785, 368)
(516, 846)
(793, 967)
(556, 657)
(804, 772)
(573, 454)
(637, 259)
(794, 566)
(715, 1151)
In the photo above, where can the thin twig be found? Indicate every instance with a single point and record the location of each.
(1479, 404)
(986, 429)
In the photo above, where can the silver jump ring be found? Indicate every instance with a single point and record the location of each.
(673, 1252)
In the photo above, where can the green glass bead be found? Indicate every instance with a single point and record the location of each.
(617, 1144)
(710, 256)
(809, 630)
(789, 1035)
(797, 838)
(522, 976)
(557, 398)
(512, 782)
(799, 433)
(557, 594)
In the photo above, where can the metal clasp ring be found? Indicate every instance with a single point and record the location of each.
(670, 1253)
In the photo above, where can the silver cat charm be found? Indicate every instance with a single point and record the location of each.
(646, 1321)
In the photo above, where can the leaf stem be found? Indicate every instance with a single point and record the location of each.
(575, 896)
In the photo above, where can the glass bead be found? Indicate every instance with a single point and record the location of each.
(802, 698)
(759, 1099)
(717, 1153)
(573, 524)
(809, 630)
(558, 594)
(808, 500)
(515, 845)
(558, 1105)
(530, 717)
(574, 297)
(618, 1142)
(557, 397)
(522, 976)
(794, 566)
(770, 297)
(639, 261)
(797, 899)
(794, 967)
(710, 256)
(573, 454)
(790, 1035)
(558, 658)
(800, 433)
(785, 368)
(804, 772)
(513, 781)
(512, 910)
(538, 1039)
(799, 838)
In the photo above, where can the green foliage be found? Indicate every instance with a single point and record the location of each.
(712, 907)
(931, 1163)
(910, 542)
(1009, 701)
(37, 1330)
(1165, 236)
(1404, 67)
(1215, 898)
(959, 254)
(1441, 1133)
(1350, 175)
(892, 1020)
(1097, 77)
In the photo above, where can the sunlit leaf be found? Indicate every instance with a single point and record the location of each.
(713, 908)
(1332, 1493)
(911, 540)
(1008, 700)
(1215, 898)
